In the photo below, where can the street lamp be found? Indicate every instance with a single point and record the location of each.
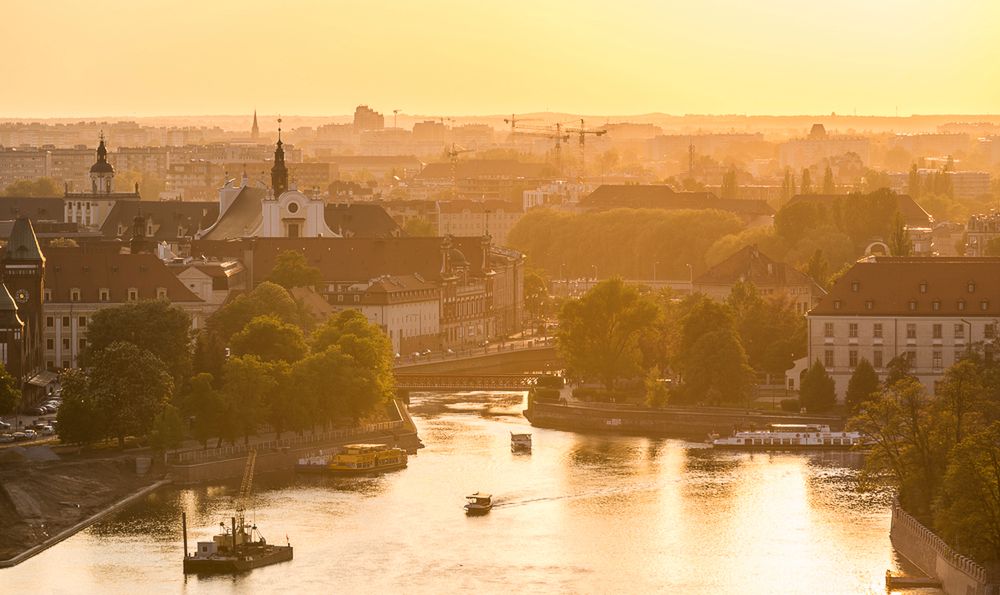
(690, 278)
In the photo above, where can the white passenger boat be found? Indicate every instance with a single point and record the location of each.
(790, 436)
(520, 442)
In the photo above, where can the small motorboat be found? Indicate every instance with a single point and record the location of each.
(520, 442)
(478, 503)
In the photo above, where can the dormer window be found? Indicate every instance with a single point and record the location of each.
(935, 305)
(869, 305)
(913, 305)
(923, 287)
(47, 295)
(972, 287)
(161, 293)
(855, 286)
(133, 294)
(74, 295)
(984, 305)
(104, 294)
(836, 304)
(961, 305)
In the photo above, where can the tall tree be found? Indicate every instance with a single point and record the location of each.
(267, 299)
(899, 240)
(38, 187)
(292, 270)
(863, 384)
(130, 387)
(270, 339)
(154, 325)
(806, 181)
(599, 333)
(712, 362)
(829, 187)
(10, 393)
(817, 392)
(205, 406)
(819, 269)
(78, 416)
(248, 384)
(536, 295)
(730, 186)
(168, 429)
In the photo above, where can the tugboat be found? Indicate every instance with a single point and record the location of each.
(478, 503)
(240, 549)
(356, 459)
(520, 442)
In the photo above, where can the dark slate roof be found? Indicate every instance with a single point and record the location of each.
(167, 217)
(913, 214)
(360, 220)
(38, 209)
(475, 168)
(242, 216)
(22, 245)
(752, 265)
(660, 196)
(936, 286)
(6, 301)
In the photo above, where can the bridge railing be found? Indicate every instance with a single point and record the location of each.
(466, 381)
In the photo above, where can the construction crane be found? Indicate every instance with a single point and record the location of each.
(513, 120)
(453, 154)
(394, 113)
(583, 131)
(546, 132)
(245, 487)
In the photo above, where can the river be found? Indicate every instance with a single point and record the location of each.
(581, 513)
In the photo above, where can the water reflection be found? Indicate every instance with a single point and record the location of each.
(581, 513)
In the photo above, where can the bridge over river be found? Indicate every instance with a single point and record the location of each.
(407, 382)
(490, 361)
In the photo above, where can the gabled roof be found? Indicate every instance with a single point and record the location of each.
(661, 196)
(752, 265)
(91, 269)
(913, 214)
(360, 220)
(167, 217)
(886, 286)
(242, 216)
(22, 245)
(7, 303)
(38, 209)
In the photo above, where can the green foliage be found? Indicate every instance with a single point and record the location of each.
(772, 333)
(292, 270)
(599, 333)
(536, 294)
(657, 391)
(168, 429)
(818, 269)
(806, 182)
(829, 187)
(130, 386)
(267, 299)
(817, 392)
(899, 239)
(38, 187)
(621, 242)
(790, 405)
(205, 405)
(709, 357)
(10, 393)
(270, 339)
(863, 384)
(248, 384)
(730, 186)
(152, 325)
(63, 243)
(78, 417)
(419, 227)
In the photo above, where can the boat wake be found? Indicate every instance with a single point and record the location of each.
(602, 493)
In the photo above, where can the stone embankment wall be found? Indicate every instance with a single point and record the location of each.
(928, 552)
(674, 421)
(199, 466)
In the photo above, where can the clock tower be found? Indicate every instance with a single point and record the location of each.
(23, 269)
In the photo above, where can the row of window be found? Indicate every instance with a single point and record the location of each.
(937, 330)
(970, 286)
(104, 294)
(50, 344)
(912, 305)
(50, 321)
(878, 360)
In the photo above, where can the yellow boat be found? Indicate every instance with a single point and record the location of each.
(356, 459)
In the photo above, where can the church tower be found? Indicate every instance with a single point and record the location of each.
(254, 130)
(24, 277)
(102, 173)
(279, 173)
(139, 243)
(11, 336)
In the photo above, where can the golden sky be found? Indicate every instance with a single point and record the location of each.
(441, 57)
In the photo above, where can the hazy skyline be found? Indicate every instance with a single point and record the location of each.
(456, 58)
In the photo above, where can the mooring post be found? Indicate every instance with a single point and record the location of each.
(184, 528)
(233, 519)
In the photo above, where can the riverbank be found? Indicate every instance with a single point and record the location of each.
(44, 501)
(686, 422)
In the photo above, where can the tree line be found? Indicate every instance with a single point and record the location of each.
(629, 341)
(260, 361)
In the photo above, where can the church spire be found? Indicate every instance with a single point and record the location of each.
(279, 173)
(255, 130)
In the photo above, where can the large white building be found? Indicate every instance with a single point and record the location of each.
(930, 310)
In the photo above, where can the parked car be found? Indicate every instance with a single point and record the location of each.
(31, 433)
(6, 438)
(46, 430)
(19, 436)
(426, 352)
(4, 425)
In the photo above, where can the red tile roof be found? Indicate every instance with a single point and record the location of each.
(91, 270)
(887, 286)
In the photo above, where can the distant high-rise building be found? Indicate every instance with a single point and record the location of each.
(365, 118)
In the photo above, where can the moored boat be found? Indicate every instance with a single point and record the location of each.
(478, 503)
(790, 436)
(520, 442)
(356, 459)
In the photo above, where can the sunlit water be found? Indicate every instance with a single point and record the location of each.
(581, 513)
